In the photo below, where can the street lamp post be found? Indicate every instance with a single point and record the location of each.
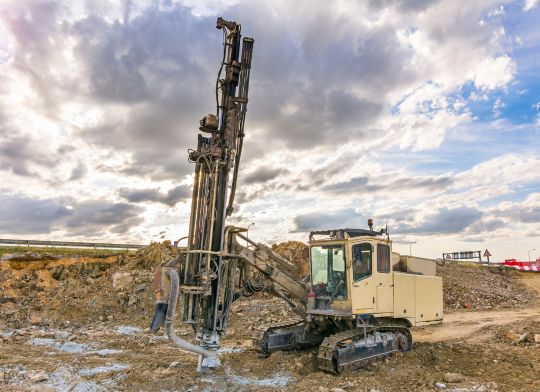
(410, 247)
(529, 253)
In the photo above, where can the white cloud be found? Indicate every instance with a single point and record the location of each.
(504, 170)
(493, 73)
(529, 5)
(106, 96)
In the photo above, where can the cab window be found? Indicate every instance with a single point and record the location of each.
(383, 258)
(328, 271)
(361, 261)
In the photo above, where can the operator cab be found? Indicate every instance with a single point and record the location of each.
(342, 270)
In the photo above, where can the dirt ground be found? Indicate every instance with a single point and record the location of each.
(80, 324)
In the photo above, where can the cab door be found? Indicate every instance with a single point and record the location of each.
(383, 279)
(363, 293)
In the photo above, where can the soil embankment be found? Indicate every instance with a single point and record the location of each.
(80, 324)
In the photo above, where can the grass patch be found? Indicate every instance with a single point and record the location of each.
(62, 251)
(470, 264)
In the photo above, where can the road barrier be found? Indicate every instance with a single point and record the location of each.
(533, 268)
(68, 244)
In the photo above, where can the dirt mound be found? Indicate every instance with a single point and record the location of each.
(48, 290)
(157, 253)
(53, 290)
(296, 252)
(482, 288)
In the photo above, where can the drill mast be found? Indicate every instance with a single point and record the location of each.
(207, 277)
(215, 269)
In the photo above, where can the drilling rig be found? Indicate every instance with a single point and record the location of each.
(358, 302)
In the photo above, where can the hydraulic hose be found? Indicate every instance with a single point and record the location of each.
(177, 341)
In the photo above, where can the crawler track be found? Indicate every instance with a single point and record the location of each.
(329, 359)
(260, 336)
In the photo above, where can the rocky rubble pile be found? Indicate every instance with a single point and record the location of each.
(44, 290)
(47, 290)
(157, 253)
(296, 252)
(259, 309)
(482, 288)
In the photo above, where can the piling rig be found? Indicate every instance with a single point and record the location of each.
(358, 302)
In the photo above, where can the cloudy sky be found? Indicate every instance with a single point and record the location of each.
(423, 114)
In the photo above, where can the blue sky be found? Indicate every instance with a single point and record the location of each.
(423, 114)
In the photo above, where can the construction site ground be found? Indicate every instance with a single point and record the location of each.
(81, 324)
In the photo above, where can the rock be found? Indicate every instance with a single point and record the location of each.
(35, 318)
(132, 300)
(167, 372)
(140, 287)
(39, 377)
(453, 377)
(61, 335)
(121, 280)
(174, 364)
(440, 385)
(537, 337)
(512, 336)
(247, 343)
(524, 337)
(323, 389)
(482, 388)
(337, 390)
(110, 317)
(9, 312)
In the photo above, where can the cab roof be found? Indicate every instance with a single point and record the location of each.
(341, 234)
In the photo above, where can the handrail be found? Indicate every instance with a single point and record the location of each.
(102, 245)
